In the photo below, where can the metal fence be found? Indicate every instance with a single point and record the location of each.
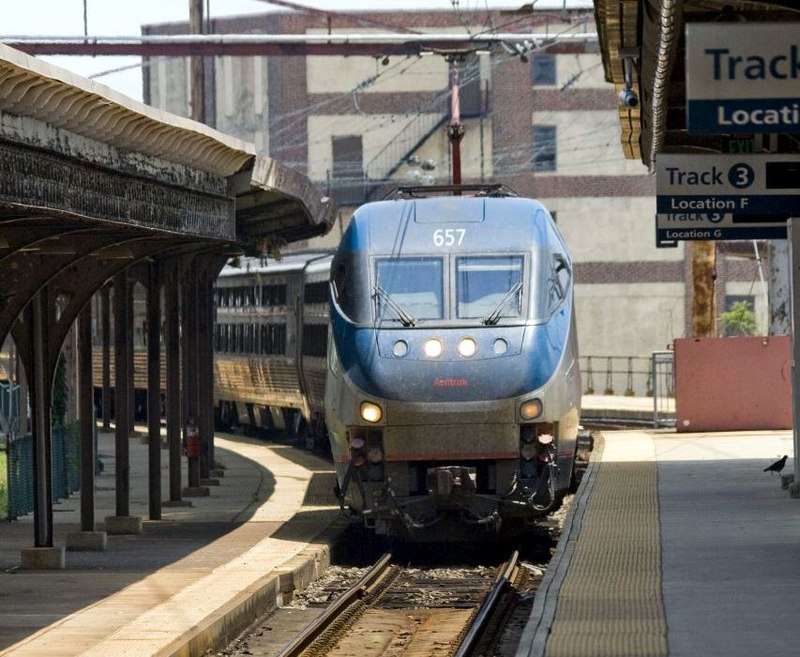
(662, 364)
(617, 375)
(19, 464)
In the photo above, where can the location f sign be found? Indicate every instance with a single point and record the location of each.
(742, 78)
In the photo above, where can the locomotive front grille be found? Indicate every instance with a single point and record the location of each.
(440, 413)
(451, 442)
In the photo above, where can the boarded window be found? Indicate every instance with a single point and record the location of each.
(544, 148)
(543, 70)
(348, 169)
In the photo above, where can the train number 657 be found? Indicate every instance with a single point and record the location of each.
(448, 236)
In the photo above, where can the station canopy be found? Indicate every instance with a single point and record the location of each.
(224, 190)
(651, 35)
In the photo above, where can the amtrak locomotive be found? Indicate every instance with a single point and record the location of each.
(452, 398)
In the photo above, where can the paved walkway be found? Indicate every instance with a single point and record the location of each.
(144, 591)
(679, 545)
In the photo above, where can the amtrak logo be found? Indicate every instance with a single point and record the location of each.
(442, 382)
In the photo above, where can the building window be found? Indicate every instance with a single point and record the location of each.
(544, 148)
(347, 177)
(543, 70)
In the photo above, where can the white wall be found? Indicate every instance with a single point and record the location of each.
(610, 228)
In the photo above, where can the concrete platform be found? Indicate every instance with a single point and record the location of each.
(675, 545)
(187, 582)
(619, 408)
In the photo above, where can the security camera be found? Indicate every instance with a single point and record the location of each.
(628, 98)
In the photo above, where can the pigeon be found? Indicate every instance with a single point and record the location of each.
(778, 465)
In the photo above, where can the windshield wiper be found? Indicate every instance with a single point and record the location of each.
(494, 316)
(406, 318)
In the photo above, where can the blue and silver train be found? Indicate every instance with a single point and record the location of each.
(452, 398)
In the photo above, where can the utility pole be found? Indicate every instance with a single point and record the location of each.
(455, 131)
(197, 69)
(704, 264)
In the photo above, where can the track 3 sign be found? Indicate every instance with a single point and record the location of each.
(725, 197)
(742, 78)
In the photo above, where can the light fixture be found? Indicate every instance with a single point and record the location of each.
(371, 412)
(467, 347)
(530, 409)
(433, 348)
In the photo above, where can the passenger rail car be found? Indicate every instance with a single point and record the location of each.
(270, 342)
(270, 345)
(453, 393)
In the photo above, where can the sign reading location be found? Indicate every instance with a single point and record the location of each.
(725, 197)
(742, 78)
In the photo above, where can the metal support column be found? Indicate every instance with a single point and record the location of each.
(154, 391)
(86, 417)
(190, 370)
(173, 381)
(131, 371)
(204, 385)
(121, 379)
(41, 382)
(793, 226)
(105, 319)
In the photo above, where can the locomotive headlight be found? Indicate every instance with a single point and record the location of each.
(374, 455)
(467, 347)
(530, 409)
(371, 412)
(400, 348)
(433, 348)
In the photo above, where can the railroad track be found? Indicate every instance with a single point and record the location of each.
(412, 612)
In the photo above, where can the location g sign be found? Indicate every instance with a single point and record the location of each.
(742, 77)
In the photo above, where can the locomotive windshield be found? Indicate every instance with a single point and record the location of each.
(489, 287)
(409, 289)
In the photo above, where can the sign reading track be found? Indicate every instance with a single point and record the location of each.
(725, 197)
(742, 78)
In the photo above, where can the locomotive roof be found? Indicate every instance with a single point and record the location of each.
(290, 262)
(408, 224)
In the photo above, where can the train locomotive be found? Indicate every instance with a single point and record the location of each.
(452, 398)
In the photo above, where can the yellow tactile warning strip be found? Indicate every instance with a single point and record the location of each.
(610, 602)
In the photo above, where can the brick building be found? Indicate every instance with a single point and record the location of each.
(357, 125)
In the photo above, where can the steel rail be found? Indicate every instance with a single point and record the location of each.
(487, 609)
(358, 591)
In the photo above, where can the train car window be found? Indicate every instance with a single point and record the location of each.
(489, 287)
(340, 284)
(316, 292)
(315, 340)
(273, 295)
(559, 280)
(410, 287)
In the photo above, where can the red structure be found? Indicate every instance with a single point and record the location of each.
(733, 384)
